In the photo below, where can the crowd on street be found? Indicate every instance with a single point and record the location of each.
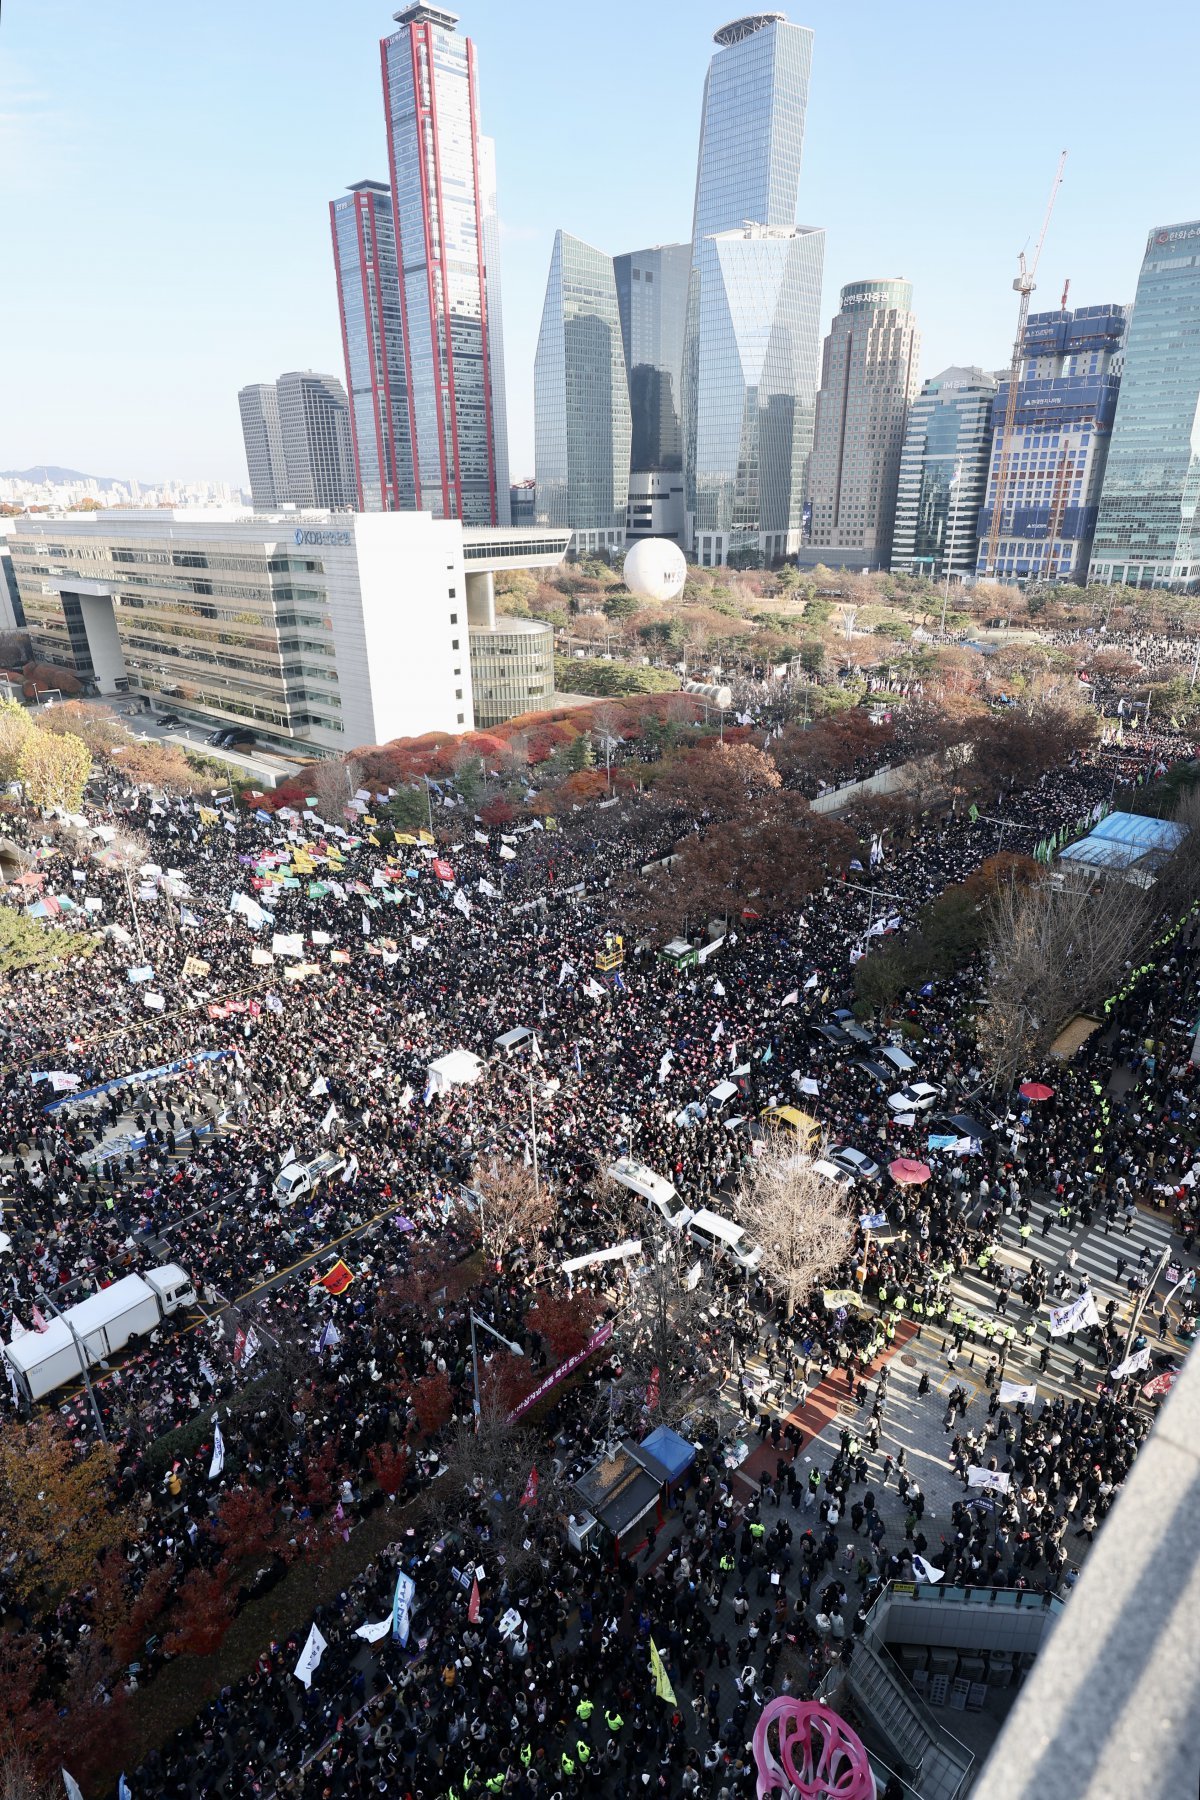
(330, 972)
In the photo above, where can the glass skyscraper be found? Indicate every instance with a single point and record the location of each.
(1066, 399)
(1148, 529)
(443, 189)
(753, 327)
(368, 280)
(581, 399)
(943, 475)
(652, 289)
(868, 381)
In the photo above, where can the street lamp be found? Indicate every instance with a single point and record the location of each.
(501, 1339)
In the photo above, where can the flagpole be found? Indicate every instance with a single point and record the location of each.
(537, 1178)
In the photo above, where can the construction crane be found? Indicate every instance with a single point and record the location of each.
(1024, 284)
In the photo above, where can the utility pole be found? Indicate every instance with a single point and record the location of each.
(537, 1177)
(508, 1345)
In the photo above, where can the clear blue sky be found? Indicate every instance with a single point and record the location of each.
(166, 169)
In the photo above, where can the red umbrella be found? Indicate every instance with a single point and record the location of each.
(908, 1172)
(1036, 1090)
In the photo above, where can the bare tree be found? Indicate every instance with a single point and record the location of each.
(1055, 950)
(336, 782)
(19, 1779)
(516, 1207)
(798, 1216)
(668, 1353)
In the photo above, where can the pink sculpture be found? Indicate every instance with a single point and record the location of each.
(816, 1753)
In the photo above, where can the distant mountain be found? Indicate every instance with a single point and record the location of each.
(50, 472)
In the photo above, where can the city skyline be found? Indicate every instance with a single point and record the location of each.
(143, 375)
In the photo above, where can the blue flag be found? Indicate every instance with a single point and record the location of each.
(124, 1791)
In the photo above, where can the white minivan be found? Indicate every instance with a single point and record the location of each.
(721, 1237)
(654, 1189)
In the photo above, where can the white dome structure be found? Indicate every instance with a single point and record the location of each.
(655, 569)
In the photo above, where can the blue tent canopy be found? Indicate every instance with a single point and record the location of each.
(673, 1452)
(1145, 833)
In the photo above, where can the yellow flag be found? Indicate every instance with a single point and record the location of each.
(424, 837)
(662, 1682)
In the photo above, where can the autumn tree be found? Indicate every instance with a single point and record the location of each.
(54, 770)
(15, 727)
(247, 1524)
(57, 1516)
(516, 1208)
(799, 1217)
(668, 1357)
(565, 1321)
(389, 1466)
(488, 1462)
(335, 783)
(203, 1613)
(716, 780)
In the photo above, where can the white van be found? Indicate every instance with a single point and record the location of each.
(722, 1237)
(899, 1059)
(654, 1189)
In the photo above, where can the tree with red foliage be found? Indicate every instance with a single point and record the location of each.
(504, 1380)
(129, 1641)
(93, 1726)
(389, 1466)
(320, 1478)
(497, 813)
(26, 1722)
(565, 1321)
(430, 1401)
(203, 1613)
(247, 1524)
(715, 780)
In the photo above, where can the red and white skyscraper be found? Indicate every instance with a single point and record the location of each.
(364, 256)
(443, 195)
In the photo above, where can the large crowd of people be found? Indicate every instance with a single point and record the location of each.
(404, 956)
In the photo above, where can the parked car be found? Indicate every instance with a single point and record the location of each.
(856, 1163)
(169, 719)
(833, 1034)
(919, 1097)
(879, 1072)
(846, 1020)
(215, 737)
(964, 1125)
(653, 1188)
(899, 1059)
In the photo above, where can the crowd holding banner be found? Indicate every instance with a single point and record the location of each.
(395, 973)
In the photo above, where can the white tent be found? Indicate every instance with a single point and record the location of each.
(458, 1068)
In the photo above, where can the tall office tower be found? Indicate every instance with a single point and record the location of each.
(1148, 528)
(581, 428)
(443, 189)
(1066, 400)
(259, 407)
(314, 424)
(368, 281)
(652, 288)
(868, 382)
(943, 475)
(753, 327)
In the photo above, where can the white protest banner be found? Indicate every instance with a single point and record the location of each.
(1013, 1391)
(992, 1481)
(1132, 1365)
(925, 1571)
(310, 1657)
(155, 1002)
(1081, 1312)
(373, 1632)
(631, 1247)
(287, 943)
(218, 1452)
(402, 1607)
(254, 914)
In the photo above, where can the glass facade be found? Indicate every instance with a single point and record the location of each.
(318, 454)
(581, 398)
(1066, 400)
(943, 475)
(753, 319)
(512, 670)
(368, 279)
(652, 289)
(237, 628)
(1148, 527)
(758, 334)
(868, 381)
(443, 192)
(259, 407)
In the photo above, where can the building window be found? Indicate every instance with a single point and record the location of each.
(460, 718)
(454, 643)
